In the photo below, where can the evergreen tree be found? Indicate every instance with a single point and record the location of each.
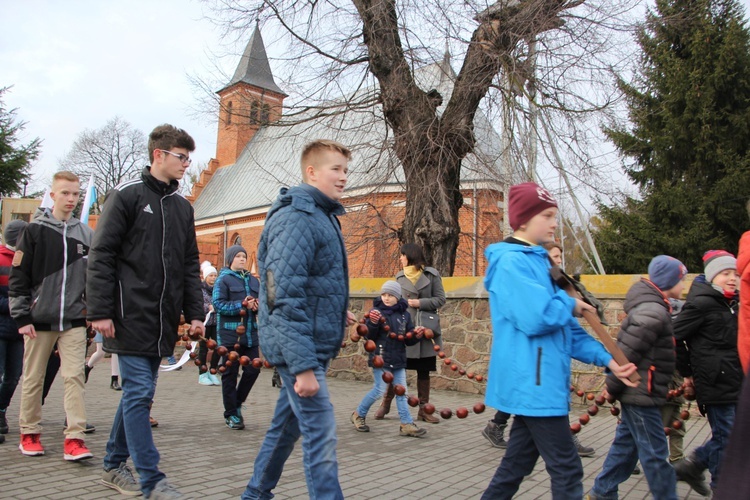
(15, 159)
(687, 145)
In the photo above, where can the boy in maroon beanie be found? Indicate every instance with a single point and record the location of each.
(535, 334)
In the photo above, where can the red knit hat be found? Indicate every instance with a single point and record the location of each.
(525, 201)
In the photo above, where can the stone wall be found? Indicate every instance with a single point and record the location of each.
(467, 331)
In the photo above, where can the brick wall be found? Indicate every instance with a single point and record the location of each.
(467, 331)
(369, 232)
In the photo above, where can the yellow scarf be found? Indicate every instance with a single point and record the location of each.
(412, 274)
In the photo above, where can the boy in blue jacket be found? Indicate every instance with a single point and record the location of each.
(236, 324)
(304, 293)
(535, 335)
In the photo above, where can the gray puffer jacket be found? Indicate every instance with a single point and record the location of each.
(646, 338)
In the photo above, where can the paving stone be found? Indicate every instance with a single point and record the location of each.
(202, 457)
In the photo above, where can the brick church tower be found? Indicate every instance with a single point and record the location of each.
(249, 100)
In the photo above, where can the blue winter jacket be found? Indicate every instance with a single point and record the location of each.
(534, 334)
(304, 280)
(230, 289)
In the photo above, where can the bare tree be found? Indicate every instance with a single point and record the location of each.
(549, 54)
(113, 153)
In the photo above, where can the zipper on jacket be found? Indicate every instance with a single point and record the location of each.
(539, 366)
(164, 270)
(122, 306)
(65, 272)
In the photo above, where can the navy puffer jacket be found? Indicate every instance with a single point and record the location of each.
(304, 280)
(399, 321)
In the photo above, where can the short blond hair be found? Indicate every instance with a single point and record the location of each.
(65, 175)
(312, 149)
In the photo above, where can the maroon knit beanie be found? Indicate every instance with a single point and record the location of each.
(525, 201)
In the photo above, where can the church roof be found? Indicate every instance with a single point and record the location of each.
(253, 67)
(271, 158)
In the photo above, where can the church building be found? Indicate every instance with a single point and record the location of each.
(257, 153)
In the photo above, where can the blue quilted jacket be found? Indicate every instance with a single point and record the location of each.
(304, 280)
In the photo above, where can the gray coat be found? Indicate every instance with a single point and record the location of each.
(429, 291)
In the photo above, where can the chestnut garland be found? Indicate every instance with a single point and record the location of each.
(361, 331)
(600, 399)
(228, 356)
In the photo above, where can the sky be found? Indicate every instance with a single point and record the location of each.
(74, 65)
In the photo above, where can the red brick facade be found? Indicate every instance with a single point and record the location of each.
(368, 229)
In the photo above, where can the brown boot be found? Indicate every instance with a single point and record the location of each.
(423, 391)
(385, 406)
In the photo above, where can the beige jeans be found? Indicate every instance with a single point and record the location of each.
(71, 345)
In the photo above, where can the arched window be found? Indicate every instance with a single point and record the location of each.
(265, 113)
(254, 112)
(229, 113)
(237, 240)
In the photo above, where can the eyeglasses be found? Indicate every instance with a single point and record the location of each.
(182, 158)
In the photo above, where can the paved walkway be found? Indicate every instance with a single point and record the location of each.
(206, 460)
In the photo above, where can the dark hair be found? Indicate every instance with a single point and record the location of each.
(552, 244)
(167, 137)
(414, 255)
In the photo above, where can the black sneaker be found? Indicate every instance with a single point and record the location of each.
(3, 423)
(494, 434)
(690, 470)
(235, 422)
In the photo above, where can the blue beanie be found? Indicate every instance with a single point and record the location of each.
(665, 271)
(232, 253)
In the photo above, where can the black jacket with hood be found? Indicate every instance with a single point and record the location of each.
(706, 334)
(646, 339)
(143, 267)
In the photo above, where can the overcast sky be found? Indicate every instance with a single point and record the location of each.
(76, 64)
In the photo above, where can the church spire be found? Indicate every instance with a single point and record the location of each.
(253, 68)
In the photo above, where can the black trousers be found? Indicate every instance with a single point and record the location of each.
(232, 392)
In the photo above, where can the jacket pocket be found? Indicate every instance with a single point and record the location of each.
(539, 366)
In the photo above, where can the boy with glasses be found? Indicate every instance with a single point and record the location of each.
(143, 273)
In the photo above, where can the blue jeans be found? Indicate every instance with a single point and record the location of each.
(721, 420)
(131, 432)
(640, 436)
(11, 365)
(311, 417)
(379, 388)
(531, 437)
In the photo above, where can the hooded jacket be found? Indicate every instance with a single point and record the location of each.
(143, 269)
(398, 319)
(534, 334)
(646, 339)
(47, 282)
(304, 280)
(706, 334)
(230, 289)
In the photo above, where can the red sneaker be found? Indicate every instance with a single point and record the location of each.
(31, 445)
(75, 450)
